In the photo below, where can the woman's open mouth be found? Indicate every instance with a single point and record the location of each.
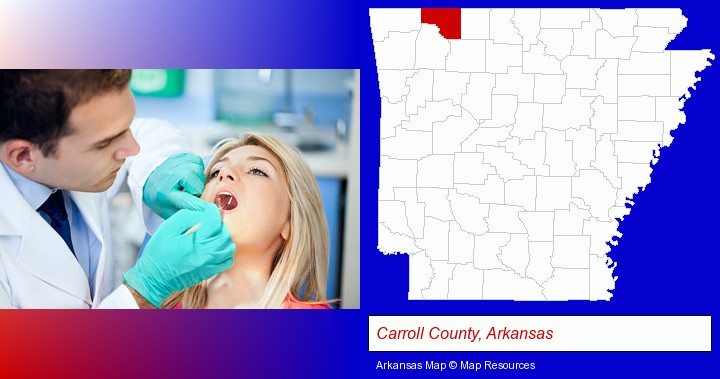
(225, 201)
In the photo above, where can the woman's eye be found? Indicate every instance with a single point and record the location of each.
(213, 174)
(257, 171)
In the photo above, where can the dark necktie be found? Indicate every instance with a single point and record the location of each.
(54, 208)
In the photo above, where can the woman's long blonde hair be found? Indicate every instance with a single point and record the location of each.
(300, 266)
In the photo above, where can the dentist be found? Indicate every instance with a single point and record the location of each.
(68, 144)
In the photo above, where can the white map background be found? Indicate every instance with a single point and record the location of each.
(508, 156)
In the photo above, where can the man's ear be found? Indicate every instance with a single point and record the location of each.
(20, 155)
(285, 232)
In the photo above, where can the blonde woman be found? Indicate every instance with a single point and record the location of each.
(271, 204)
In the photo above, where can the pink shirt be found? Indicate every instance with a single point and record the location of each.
(292, 303)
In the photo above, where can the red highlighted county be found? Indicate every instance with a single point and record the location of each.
(446, 19)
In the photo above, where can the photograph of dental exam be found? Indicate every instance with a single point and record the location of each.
(280, 159)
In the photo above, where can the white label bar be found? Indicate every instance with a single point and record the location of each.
(539, 333)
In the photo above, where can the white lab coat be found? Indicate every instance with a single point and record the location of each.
(37, 270)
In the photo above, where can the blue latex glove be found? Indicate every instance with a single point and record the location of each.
(173, 261)
(175, 185)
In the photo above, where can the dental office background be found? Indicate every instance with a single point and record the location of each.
(317, 111)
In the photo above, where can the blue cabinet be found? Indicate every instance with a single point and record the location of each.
(332, 191)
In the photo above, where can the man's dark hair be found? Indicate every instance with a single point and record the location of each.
(35, 104)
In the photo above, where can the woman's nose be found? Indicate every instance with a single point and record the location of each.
(225, 175)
